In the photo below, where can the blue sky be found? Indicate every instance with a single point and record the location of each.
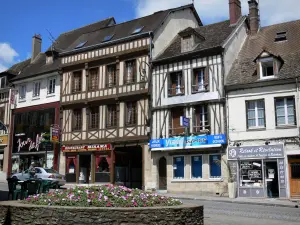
(21, 19)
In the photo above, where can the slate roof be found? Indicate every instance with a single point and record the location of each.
(39, 65)
(214, 34)
(244, 69)
(15, 69)
(149, 23)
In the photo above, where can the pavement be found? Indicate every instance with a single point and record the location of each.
(249, 201)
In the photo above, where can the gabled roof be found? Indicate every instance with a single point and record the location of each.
(39, 65)
(213, 35)
(120, 31)
(243, 71)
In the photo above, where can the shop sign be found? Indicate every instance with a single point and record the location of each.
(186, 142)
(84, 148)
(54, 134)
(281, 173)
(32, 144)
(4, 139)
(256, 152)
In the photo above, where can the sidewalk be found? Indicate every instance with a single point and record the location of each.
(253, 201)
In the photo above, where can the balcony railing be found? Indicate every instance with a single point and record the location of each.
(179, 90)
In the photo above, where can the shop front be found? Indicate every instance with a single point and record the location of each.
(31, 140)
(3, 152)
(260, 171)
(189, 164)
(88, 163)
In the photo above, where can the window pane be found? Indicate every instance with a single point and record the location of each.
(251, 105)
(291, 120)
(215, 165)
(280, 111)
(178, 167)
(251, 114)
(251, 123)
(196, 166)
(280, 120)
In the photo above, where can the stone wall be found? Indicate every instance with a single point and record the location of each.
(13, 212)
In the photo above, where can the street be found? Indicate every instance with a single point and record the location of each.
(217, 213)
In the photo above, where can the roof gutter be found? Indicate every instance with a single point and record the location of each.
(144, 34)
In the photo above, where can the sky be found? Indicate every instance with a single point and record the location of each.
(21, 19)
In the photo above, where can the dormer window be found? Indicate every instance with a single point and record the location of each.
(49, 59)
(280, 36)
(268, 67)
(187, 43)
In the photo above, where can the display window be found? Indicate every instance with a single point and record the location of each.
(251, 174)
(215, 166)
(178, 167)
(196, 166)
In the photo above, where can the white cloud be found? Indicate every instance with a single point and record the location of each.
(7, 56)
(272, 11)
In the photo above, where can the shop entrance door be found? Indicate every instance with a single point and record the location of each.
(294, 177)
(85, 169)
(271, 179)
(162, 172)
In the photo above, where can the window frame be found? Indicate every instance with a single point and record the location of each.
(266, 60)
(35, 93)
(115, 80)
(92, 87)
(134, 75)
(256, 114)
(92, 126)
(5, 82)
(209, 167)
(195, 84)
(171, 128)
(184, 165)
(74, 75)
(191, 168)
(181, 87)
(22, 97)
(110, 126)
(135, 114)
(51, 92)
(195, 114)
(73, 120)
(285, 98)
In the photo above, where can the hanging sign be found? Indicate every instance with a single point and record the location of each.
(3, 139)
(54, 134)
(84, 148)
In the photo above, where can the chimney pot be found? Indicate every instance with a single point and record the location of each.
(235, 11)
(253, 16)
(36, 46)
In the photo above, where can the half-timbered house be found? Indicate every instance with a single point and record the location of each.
(188, 106)
(104, 97)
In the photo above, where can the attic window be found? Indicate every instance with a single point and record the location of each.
(268, 67)
(187, 43)
(81, 44)
(107, 38)
(280, 36)
(138, 30)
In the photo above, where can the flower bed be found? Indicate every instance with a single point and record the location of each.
(101, 196)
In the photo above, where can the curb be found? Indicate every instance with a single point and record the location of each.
(237, 202)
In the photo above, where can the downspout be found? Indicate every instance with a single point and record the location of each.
(297, 107)
(150, 85)
(225, 97)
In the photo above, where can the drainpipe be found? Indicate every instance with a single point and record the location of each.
(297, 106)
(150, 84)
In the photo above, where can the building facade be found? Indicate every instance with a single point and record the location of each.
(263, 111)
(189, 140)
(105, 98)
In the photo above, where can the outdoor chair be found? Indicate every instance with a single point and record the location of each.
(12, 188)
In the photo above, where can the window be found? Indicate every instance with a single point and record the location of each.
(77, 79)
(51, 85)
(255, 114)
(3, 96)
(178, 167)
(111, 116)
(77, 119)
(251, 174)
(196, 166)
(138, 30)
(280, 36)
(36, 89)
(215, 166)
(175, 128)
(2, 114)
(285, 111)
(131, 113)
(201, 120)
(130, 72)
(81, 44)
(111, 76)
(187, 43)
(94, 118)
(93, 79)
(176, 84)
(22, 92)
(2, 82)
(107, 38)
(200, 80)
(295, 170)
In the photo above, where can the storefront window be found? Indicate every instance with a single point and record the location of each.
(251, 174)
(196, 164)
(1, 161)
(15, 164)
(178, 167)
(215, 166)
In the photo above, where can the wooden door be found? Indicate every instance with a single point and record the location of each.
(162, 173)
(294, 172)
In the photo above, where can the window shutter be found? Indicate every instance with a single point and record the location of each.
(258, 68)
(276, 123)
(182, 89)
(247, 106)
(206, 78)
(134, 72)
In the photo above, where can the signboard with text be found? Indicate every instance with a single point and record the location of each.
(54, 134)
(85, 148)
(187, 142)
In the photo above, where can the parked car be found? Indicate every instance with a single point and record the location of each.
(43, 174)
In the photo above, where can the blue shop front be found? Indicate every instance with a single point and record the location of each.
(189, 164)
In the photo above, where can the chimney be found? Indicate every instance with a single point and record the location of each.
(235, 11)
(253, 16)
(36, 46)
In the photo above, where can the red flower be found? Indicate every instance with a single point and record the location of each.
(108, 204)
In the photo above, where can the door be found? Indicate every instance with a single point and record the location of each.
(294, 169)
(162, 172)
(271, 179)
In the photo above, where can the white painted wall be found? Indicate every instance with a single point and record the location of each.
(177, 21)
(233, 46)
(44, 97)
(237, 112)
